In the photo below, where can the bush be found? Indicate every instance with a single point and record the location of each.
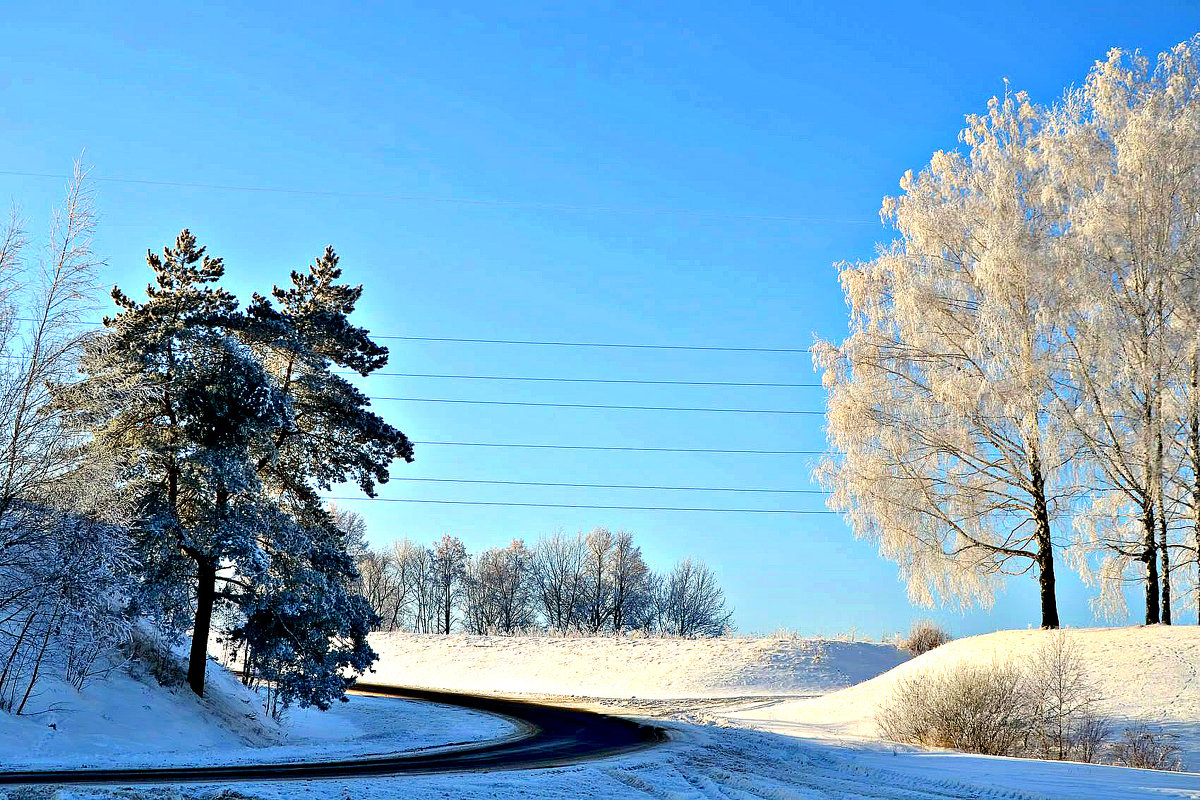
(1060, 702)
(972, 707)
(1140, 747)
(923, 637)
(149, 654)
(1040, 708)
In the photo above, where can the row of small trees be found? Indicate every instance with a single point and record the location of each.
(593, 584)
(1022, 374)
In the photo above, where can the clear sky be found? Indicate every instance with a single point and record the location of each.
(658, 173)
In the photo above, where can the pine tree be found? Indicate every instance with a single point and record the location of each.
(312, 624)
(172, 400)
(227, 425)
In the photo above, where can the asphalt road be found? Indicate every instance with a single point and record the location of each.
(556, 737)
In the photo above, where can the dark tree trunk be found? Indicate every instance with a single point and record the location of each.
(1045, 562)
(1163, 552)
(1045, 548)
(206, 590)
(1150, 558)
(1194, 422)
(1165, 575)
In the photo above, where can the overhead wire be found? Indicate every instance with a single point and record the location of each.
(461, 201)
(583, 506)
(601, 406)
(613, 486)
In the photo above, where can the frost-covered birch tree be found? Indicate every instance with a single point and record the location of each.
(1130, 169)
(942, 449)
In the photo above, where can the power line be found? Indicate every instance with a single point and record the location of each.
(629, 381)
(599, 344)
(596, 406)
(603, 508)
(615, 486)
(410, 198)
(614, 448)
(541, 343)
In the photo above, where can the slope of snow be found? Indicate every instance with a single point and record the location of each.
(627, 667)
(1142, 675)
(129, 720)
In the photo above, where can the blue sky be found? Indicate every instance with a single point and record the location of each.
(653, 173)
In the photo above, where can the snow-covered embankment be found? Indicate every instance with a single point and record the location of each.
(610, 667)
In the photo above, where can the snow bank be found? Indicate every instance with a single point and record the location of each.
(628, 667)
(129, 719)
(1143, 675)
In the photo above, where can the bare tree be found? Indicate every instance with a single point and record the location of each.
(449, 570)
(559, 580)
(629, 579)
(514, 588)
(598, 547)
(691, 602)
(63, 555)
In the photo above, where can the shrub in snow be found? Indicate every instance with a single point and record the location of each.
(150, 653)
(923, 637)
(1140, 747)
(1061, 699)
(972, 707)
(1042, 707)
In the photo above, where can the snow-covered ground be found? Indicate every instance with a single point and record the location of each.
(629, 667)
(1141, 674)
(728, 764)
(126, 720)
(745, 733)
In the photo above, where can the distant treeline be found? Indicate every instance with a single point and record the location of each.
(585, 584)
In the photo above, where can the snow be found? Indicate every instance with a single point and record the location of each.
(1143, 674)
(126, 719)
(605, 666)
(708, 761)
(727, 739)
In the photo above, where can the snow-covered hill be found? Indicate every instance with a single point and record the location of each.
(1143, 675)
(127, 718)
(629, 667)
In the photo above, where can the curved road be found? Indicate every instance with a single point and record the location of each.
(557, 737)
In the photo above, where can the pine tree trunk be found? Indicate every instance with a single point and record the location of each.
(1194, 441)
(206, 590)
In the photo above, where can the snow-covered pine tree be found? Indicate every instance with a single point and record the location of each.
(173, 400)
(308, 623)
(227, 425)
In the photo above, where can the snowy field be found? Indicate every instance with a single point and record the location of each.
(739, 728)
(730, 764)
(629, 667)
